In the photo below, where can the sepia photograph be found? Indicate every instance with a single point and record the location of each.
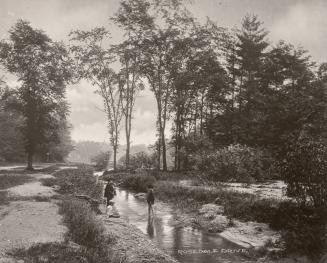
(163, 131)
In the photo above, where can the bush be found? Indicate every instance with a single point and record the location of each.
(85, 229)
(236, 163)
(78, 181)
(305, 172)
(138, 182)
(83, 226)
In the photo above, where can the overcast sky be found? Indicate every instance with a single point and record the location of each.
(300, 22)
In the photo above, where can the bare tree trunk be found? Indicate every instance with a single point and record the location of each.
(201, 113)
(159, 152)
(115, 157)
(127, 132)
(164, 158)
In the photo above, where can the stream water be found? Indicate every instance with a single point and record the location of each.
(186, 244)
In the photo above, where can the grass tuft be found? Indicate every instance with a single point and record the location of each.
(85, 229)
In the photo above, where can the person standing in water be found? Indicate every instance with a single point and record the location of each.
(150, 199)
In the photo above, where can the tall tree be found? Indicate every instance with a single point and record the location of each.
(129, 56)
(251, 46)
(95, 64)
(163, 49)
(43, 67)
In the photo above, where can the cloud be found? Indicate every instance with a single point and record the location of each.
(86, 107)
(304, 25)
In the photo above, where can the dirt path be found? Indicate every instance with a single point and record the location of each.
(23, 223)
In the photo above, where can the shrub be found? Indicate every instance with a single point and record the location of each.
(83, 226)
(305, 172)
(138, 182)
(236, 163)
(79, 181)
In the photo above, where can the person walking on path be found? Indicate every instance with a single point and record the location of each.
(150, 198)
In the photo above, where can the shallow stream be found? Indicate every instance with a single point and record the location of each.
(186, 244)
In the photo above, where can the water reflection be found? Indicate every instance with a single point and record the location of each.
(150, 228)
(186, 244)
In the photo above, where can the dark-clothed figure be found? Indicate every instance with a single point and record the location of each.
(150, 198)
(109, 192)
